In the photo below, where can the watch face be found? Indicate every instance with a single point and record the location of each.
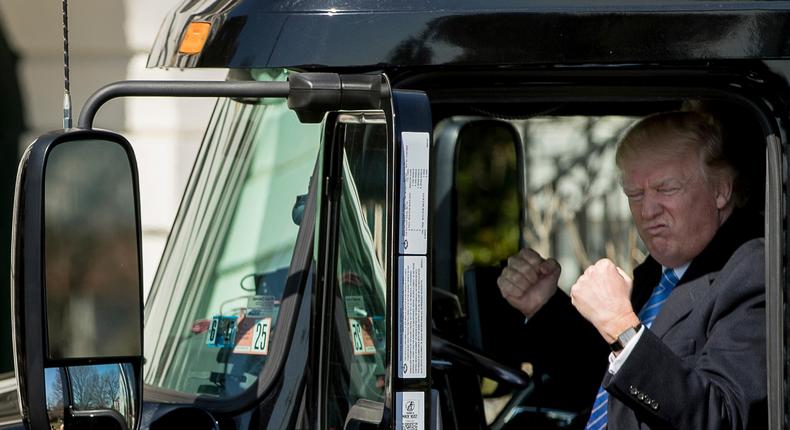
(628, 335)
(624, 337)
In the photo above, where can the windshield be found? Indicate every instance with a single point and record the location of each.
(213, 307)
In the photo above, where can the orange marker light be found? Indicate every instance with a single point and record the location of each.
(194, 38)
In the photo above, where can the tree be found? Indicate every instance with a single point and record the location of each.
(94, 387)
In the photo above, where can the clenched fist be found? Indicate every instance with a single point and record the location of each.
(529, 281)
(603, 296)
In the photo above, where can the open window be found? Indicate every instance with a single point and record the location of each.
(571, 207)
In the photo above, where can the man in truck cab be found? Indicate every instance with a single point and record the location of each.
(686, 338)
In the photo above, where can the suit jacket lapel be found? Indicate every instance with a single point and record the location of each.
(679, 304)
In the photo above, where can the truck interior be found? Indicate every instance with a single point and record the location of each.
(540, 174)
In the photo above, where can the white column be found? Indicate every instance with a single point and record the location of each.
(109, 41)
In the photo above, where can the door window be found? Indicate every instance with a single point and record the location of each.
(568, 205)
(359, 347)
(576, 211)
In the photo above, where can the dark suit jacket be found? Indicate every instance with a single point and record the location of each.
(702, 363)
(692, 362)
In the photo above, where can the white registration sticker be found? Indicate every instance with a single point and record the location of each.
(260, 306)
(253, 336)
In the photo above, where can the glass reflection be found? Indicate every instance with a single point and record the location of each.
(91, 255)
(106, 391)
(55, 398)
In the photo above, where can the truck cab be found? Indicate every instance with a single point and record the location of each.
(335, 257)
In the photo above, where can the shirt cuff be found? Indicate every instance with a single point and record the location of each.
(616, 361)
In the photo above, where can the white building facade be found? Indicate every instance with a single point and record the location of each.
(109, 41)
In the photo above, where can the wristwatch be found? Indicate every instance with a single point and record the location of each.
(624, 337)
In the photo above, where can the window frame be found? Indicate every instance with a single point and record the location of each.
(761, 99)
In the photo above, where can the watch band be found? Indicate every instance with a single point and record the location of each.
(624, 337)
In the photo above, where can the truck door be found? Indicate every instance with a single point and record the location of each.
(284, 298)
(373, 253)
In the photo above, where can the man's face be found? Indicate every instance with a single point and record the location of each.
(675, 209)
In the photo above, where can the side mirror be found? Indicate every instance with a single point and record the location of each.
(76, 273)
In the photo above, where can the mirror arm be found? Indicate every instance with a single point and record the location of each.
(311, 95)
(177, 89)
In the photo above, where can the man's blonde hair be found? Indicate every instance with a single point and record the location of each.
(667, 134)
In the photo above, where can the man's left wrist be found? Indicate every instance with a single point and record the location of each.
(624, 338)
(618, 326)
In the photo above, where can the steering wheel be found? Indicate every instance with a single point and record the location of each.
(484, 366)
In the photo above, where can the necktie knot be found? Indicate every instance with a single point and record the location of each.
(669, 277)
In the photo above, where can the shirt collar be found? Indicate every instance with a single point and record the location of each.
(679, 271)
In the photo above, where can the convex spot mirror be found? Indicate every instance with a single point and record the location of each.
(90, 397)
(77, 263)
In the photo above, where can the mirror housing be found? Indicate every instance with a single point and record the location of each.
(76, 263)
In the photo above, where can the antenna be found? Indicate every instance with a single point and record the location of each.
(66, 93)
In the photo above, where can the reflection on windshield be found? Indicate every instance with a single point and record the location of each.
(226, 262)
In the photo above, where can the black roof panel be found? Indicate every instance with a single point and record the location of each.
(312, 34)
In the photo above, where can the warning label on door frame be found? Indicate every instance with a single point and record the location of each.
(415, 150)
(412, 316)
(410, 410)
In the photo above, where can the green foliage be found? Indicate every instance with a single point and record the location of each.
(487, 195)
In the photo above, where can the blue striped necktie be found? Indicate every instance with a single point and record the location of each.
(647, 315)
